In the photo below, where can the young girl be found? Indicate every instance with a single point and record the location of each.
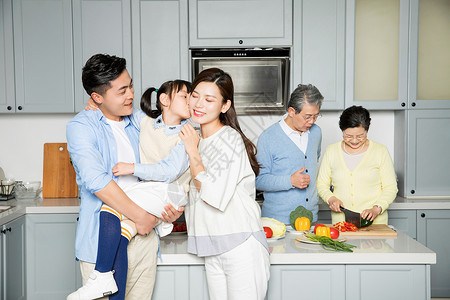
(158, 137)
(224, 220)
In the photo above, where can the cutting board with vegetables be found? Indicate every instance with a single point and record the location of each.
(372, 230)
(59, 180)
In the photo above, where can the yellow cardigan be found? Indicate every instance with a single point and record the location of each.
(372, 182)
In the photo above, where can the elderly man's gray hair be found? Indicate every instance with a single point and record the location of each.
(305, 93)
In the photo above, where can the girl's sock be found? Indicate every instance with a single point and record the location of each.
(108, 241)
(121, 262)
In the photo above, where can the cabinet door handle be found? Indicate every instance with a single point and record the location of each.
(422, 215)
(19, 108)
(9, 107)
(241, 42)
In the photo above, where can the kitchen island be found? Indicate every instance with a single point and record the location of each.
(379, 267)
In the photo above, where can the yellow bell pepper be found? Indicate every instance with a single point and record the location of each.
(323, 231)
(302, 224)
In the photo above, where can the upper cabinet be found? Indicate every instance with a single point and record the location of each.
(7, 100)
(43, 55)
(429, 54)
(160, 43)
(240, 23)
(377, 53)
(99, 26)
(318, 54)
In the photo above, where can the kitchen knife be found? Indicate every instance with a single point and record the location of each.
(352, 217)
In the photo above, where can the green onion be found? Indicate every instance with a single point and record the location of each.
(330, 244)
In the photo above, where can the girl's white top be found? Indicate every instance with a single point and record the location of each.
(224, 213)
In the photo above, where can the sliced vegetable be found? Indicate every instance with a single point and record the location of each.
(365, 222)
(345, 226)
(302, 224)
(277, 227)
(323, 231)
(329, 244)
(334, 233)
(268, 231)
(299, 212)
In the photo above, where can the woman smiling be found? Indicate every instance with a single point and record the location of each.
(357, 173)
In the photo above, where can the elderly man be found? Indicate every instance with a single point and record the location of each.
(288, 152)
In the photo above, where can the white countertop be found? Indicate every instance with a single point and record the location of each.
(375, 250)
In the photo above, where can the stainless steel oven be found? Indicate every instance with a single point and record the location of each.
(260, 76)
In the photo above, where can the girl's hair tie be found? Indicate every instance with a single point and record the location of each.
(156, 90)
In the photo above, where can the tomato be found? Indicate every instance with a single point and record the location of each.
(269, 232)
(317, 226)
(183, 226)
(334, 233)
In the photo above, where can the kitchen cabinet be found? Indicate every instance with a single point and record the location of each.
(52, 271)
(421, 155)
(198, 287)
(43, 56)
(429, 58)
(404, 220)
(240, 23)
(99, 27)
(377, 53)
(7, 101)
(160, 43)
(318, 53)
(432, 226)
(309, 281)
(172, 282)
(387, 282)
(13, 260)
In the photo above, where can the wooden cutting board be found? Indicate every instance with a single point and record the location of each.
(59, 180)
(372, 230)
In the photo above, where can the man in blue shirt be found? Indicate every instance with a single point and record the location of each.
(94, 150)
(289, 152)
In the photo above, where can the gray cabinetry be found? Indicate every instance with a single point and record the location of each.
(13, 260)
(387, 282)
(99, 27)
(318, 54)
(432, 227)
(404, 220)
(240, 23)
(43, 55)
(311, 282)
(172, 282)
(52, 272)
(421, 157)
(160, 43)
(7, 100)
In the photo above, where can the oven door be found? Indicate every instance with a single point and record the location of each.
(260, 84)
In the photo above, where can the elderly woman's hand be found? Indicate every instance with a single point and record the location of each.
(335, 204)
(371, 214)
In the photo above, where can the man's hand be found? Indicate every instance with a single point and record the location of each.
(123, 169)
(300, 180)
(171, 214)
(335, 204)
(146, 224)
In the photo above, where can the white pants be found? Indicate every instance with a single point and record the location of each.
(241, 273)
(153, 196)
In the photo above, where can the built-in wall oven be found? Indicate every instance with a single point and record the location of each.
(260, 76)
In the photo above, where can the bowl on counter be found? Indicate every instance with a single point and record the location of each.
(27, 190)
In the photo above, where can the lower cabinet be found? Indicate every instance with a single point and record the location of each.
(306, 282)
(52, 271)
(432, 226)
(404, 220)
(13, 260)
(387, 282)
(172, 282)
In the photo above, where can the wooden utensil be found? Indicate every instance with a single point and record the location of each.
(59, 180)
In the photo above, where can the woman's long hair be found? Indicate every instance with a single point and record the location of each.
(225, 84)
(170, 88)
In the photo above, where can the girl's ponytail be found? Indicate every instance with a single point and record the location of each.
(146, 103)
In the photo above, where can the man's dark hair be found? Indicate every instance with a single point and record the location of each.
(100, 70)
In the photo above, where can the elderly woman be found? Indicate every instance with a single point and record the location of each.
(357, 173)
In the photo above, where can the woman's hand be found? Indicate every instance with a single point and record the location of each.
(170, 214)
(91, 105)
(335, 204)
(190, 138)
(371, 214)
(123, 169)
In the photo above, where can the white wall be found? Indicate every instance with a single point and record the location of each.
(23, 137)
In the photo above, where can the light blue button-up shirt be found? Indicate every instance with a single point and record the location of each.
(93, 152)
